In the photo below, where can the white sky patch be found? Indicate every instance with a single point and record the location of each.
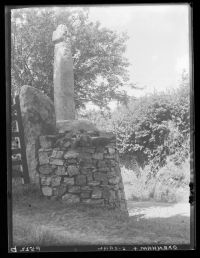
(90, 106)
(158, 45)
(154, 58)
(182, 63)
(111, 17)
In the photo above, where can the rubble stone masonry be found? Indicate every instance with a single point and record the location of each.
(81, 168)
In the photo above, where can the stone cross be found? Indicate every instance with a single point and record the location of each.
(63, 76)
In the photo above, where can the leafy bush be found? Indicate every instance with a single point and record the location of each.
(154, 130)
(155, 127)
(171, 183)
(143, 129)
(149, 129)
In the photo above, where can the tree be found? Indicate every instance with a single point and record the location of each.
(181, 107)
(100, 69)
(142, 128)
(155, 127)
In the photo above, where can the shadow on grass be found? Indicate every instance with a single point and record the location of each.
(41, 221)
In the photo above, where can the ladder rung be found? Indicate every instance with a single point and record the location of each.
(17, 172)
(16, 151)
(15, 134)
(14, 116)
(16, 162)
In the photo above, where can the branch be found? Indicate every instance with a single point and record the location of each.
(26, 65)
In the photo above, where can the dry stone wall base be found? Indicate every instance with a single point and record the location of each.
(81, 169)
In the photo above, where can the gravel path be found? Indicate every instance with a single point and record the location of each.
(158, 210)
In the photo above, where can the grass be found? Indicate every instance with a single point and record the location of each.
(40, 221)
(171, 184)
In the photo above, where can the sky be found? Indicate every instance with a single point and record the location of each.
(158, 45)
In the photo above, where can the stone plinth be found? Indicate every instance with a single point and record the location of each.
(75, 125)
(81, 169)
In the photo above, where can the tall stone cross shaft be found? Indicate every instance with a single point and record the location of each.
(63, 76)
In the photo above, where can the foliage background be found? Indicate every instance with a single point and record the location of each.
(100, 68)
(152, 131)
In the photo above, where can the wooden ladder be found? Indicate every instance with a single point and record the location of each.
(18, 139)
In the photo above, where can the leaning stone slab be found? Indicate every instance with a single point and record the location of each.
(38, 116)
